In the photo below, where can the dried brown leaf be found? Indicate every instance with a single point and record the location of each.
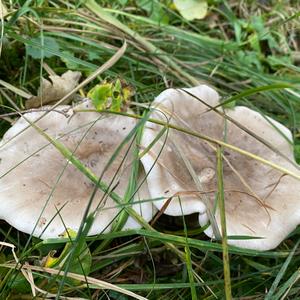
(54, 90)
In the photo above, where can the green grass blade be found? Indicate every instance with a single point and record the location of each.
(281, 273)
(152, 49)
(221, 203)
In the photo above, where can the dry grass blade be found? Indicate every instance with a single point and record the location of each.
(100, 284)
(15, 90)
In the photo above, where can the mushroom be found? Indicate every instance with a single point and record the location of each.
(42, 193)
(260, 202)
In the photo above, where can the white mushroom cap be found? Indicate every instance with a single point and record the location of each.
(259, 200)
(36, 181)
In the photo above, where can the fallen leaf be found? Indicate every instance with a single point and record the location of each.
(3, 10)
(191, 9)
(55, 90)
(38, 48)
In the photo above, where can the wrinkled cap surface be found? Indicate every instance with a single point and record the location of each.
(42, 193)
(259, 200)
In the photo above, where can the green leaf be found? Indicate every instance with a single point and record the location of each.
(123, 2)
(117, 295)
(100, 95)
(70, 63)
(154, 10)
(117, 98)
(93, 55)
(36, 51)
(257, 24)
(191, 9)
(81, 263)
(147, 5)
(254, 42)
(249, 58)
(112, 96)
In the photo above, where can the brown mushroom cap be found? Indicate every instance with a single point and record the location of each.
(259, 200)
(39, 186)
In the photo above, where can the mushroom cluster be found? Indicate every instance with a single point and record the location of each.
(262, 205)
(43, 194)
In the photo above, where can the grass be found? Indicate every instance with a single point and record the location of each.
(248, 51)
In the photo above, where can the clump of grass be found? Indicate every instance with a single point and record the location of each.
(239, 48)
